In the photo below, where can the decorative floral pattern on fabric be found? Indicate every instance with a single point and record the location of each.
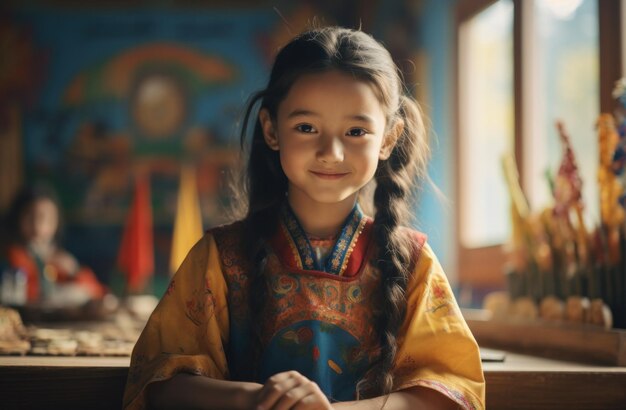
(304, 253)
(236, 266)
(296, 297)
(317, 323)
(455, 395)
(321, 324)
(440, 302)
(200, 306)
(320, 351)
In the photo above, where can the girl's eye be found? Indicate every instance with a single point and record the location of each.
(356, 132)
(306, 128)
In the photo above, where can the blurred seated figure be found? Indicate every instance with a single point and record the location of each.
(37, 270)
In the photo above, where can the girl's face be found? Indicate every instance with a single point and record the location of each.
(330, 132)
(40, 222)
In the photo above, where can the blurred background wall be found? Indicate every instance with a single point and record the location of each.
(94, 93)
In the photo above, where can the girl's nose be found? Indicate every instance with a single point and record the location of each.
(330, 150)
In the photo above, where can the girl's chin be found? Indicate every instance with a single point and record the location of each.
(329, 198)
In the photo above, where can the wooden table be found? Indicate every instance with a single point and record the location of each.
(528, 382)
(33, 382)
(520, 382)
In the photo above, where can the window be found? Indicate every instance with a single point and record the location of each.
(562, 73)
(521, 66)
(487, 130)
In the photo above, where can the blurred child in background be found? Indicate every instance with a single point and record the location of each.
(50, 275)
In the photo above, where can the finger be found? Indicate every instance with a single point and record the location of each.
(276, 386)
(293, 396)
(273, 381)
(307, 396)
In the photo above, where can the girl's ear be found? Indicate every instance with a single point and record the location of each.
(390, 139)
(269, 131)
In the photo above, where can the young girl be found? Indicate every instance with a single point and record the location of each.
(53, 276)
(307, 303)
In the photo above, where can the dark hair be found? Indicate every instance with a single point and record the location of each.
(22, 202)
(265, 184)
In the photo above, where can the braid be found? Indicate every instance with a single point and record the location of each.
(395, 178)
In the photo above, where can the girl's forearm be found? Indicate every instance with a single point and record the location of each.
(414, 398)
(187, 391)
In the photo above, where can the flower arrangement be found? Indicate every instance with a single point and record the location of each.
(558, 269)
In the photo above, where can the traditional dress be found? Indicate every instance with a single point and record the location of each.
(318, 317)
(42, 276)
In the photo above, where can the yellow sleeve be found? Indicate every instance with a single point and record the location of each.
(435, 346)
(188, 329)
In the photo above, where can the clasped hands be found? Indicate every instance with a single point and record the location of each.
(289, 391)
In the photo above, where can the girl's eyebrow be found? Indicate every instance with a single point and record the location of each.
(362, 117)
(302, 112)
(358, 117)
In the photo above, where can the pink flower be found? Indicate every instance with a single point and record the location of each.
(438, 291)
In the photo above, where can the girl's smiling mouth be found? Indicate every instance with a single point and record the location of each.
(329, 174)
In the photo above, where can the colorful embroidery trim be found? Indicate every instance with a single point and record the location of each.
(457, 396)
(302, 249)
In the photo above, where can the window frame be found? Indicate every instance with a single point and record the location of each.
(484, 267)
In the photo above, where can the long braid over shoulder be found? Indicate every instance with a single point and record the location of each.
(395, 180)
(265, 184)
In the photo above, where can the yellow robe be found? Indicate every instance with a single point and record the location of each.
(189, 331)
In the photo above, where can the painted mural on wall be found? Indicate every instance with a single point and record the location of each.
(156, 87)
(142, 93)
(131, 92)
(122, 92)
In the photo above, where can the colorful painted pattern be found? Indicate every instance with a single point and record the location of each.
(303, 252)
(297, 297)
(320, 322)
